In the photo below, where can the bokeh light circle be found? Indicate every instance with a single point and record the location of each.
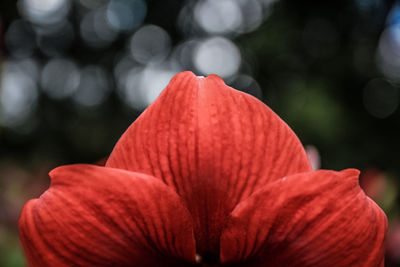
(44, 12)
(219, 17)
(60, 78)
(20, 39)
(141, 86)
(388, 53)
(381, 98)
(150, 44)
(95, 30)
(126, 15)
(217, 55)
(18, 92)
(94, 87)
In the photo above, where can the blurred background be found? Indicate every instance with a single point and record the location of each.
(74, 74)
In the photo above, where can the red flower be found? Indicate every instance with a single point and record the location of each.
(209, 175)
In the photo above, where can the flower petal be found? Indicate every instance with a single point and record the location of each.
(213, 144)
(97, 216)
(319, 218)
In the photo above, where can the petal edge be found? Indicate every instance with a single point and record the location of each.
(320, 218)
(97, 216)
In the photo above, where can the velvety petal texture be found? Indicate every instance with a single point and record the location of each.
(319, 218)
(206, 175)
(96, 216)
(213, 145)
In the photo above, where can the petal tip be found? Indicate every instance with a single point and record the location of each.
(181, 78)
(56, 171)
(190, 74)
(215, 77)
(351, 173)
(71, 169)
(185, 73)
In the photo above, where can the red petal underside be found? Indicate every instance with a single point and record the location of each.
(319, 218)
(214, 145)
(96, 216)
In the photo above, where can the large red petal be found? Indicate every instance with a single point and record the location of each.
(213, 144)
(96, 216)
(319, 218)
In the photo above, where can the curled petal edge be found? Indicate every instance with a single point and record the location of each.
(319, 218)
(97, 216)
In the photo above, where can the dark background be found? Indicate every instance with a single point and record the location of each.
(76, 74)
